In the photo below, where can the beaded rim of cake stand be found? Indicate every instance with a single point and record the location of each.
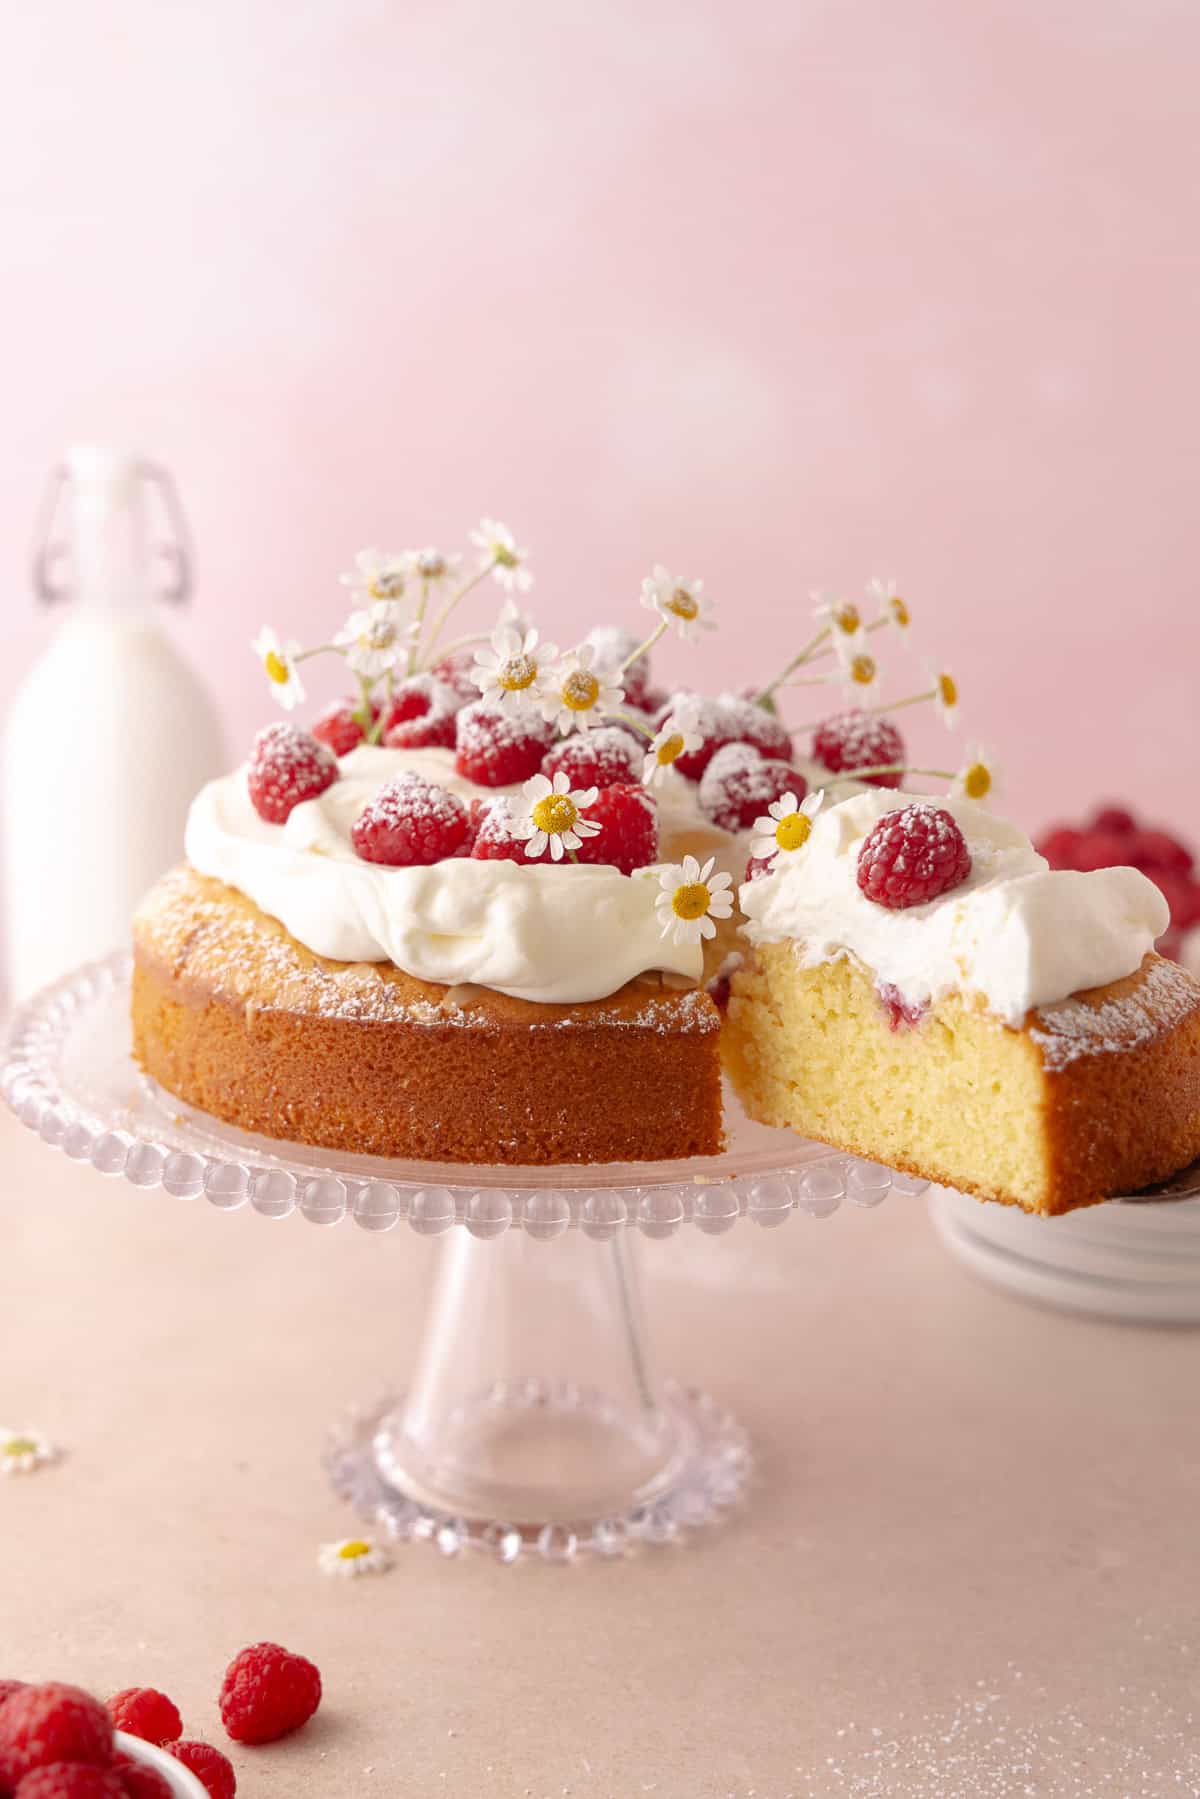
(131, 1133)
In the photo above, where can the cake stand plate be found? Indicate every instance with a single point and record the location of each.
(532, 1421)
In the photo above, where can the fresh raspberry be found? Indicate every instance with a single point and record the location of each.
(213, 1770)
(1060, 846)
(436, 731)
(70, 1780)
(410, 821)
(612, 644)
(1100, 849)
(747, 723)
(1113, 818)
(454, 671)
(495, 840)
(607, 757)
(287, 765)
(757, 867)
(145, 1712)
(1170, 943)
(1155, 851)
(628, 835)
(419, 697)
(739, 784)
(8, 1687)
(268, 1692)
(1182, 896)
(911, 856)
(713, 726)
(859, 740)
(498, 749)
(899, 1010)
(338, 729)
(51, 1723)
(138, 1781)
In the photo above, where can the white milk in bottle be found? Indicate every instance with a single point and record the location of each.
(110, 734)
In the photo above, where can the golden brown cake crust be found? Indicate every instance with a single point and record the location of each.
(235, 1017)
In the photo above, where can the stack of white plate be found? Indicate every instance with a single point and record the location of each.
(1138, 1261)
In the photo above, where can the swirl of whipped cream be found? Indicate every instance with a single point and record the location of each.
(1015, 933)
(559, 935)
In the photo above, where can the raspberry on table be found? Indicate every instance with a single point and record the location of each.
(287, 765)
(338, 729)
(139, 1781)
(410, 821)
(628, 834)
(911, 856)
(54, 1722)
(212, 1769)
(499, 748)
(606, 757)
(740, 783)
(71, 1780)
(853, 740)
(145, 1712)
(268, 1692)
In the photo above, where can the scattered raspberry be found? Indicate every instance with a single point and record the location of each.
(911, 856)
(8, 1687)
(338, 729)
(613, 643)
(495, 840)
(71, 1780)
(287, 765)
(268, 1692)
(1113, 818)
(747, 723)
(628, 835)
(144, 1712)
(410, 821)
(139, 1781)
(498, 749)
(213, 1770)
(739, 784)
(1157, 852)
(859, 740)
(607, 757)
(51, 1723)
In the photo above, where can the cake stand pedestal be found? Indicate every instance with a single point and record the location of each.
(533, 1419)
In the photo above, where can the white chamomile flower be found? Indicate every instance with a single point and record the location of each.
(843, 620)
(690, 898)
(891, 606)
(374, 638)
(786, 828)
(279, 665)
(508, 674)
(352, 1556)
(24, 1451)
(498, 551)
(576, 694)
(553, 816)
(430, 567)
(378, 574)
(944, 694)
(679, 731)
(681, 603)
(980, 777)
(860, 672)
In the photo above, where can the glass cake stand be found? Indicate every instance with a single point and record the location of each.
(532, 1420)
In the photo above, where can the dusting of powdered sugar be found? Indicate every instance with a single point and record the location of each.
(1073, 1029)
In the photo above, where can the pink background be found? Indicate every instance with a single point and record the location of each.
(783, 294)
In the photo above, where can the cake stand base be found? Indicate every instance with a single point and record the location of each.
(489, 1448)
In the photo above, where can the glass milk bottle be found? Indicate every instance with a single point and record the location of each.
(110, 733)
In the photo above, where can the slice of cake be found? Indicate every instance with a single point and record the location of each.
(924, 991)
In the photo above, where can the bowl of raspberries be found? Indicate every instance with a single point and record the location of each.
(1114, 837)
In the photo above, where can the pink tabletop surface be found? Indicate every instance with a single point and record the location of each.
(966, 1568)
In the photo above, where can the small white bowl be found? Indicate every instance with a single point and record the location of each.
(181, 1780)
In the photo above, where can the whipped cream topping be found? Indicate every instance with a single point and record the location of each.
(1014, 934)
(558, 935)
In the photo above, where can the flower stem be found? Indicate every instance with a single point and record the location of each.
(454, 600)
(888, 768)
(797, 660)
(634, 724)
(644, 649)
(418, 622)
(914, 699)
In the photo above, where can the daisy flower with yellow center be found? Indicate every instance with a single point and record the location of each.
(683, 604)
(508, 674)
(278, 661)
(431, 567)
(576, 694)
(679, 731)
(980, 777)
(892, 609)
(843, 620)
(351, 1557)
(690, 898)
(374, 638)
(500, 554)
(944, 694)
(786, 828)
(24, 1451)
(860, 672)
(553, 816)
(378, 575)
